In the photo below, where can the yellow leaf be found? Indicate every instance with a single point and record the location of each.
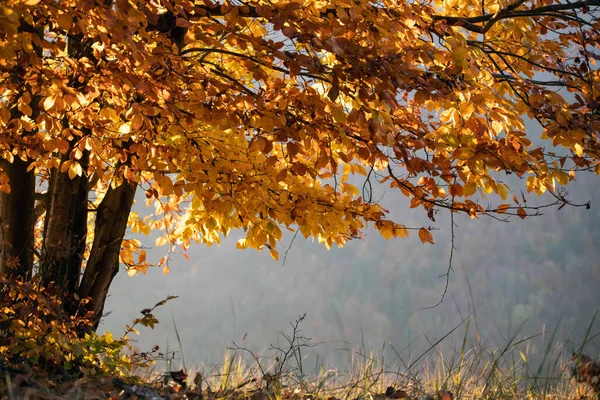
(65, 166)
(497, 127)
(467, 108)
(211, 224)
(74, 169)
(454, 142)
(531, 183)
(142, 256)
(339, 115)
(400, 231)
(469, 189)
(125, 128)
(577, 149)
(459, 53)
(561, 177)
(274, 254)
(386, 232)
(487, 187)
(502, 191)
(464, 153)
(49, 102)
(88, 144)
(166, 185)
(25, 109)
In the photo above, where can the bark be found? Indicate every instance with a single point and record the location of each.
(103, 262)
(79, 234)
(65, 230)
(65, 226)
(17, 209)
(17, 221)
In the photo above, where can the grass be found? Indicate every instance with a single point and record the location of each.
(474, 370)
(513, 369)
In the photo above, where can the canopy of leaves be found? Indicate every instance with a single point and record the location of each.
(255, 115)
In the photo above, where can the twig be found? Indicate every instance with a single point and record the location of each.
(289, 247)
(450, 269)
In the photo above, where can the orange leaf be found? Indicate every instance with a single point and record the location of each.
(502, 208)
(49, 102)
(65, 21)
(425, 236)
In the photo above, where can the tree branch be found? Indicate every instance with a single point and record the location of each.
(470, 23)
(250, 58)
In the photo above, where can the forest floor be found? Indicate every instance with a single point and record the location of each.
(250, 378)
(43, 358)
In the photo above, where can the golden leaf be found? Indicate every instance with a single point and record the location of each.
(386, 232)
(74, 169)
(25, 109)
(49, 102)
(503, 208)
(65, 21)
(425, 236)
(125, 128)
(469, 189)
(229, 127)
(339, 115)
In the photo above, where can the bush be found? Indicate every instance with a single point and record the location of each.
(46, 333)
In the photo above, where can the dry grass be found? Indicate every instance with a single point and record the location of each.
(515, 370)
(473, 371)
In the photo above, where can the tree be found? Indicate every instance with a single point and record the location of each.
(253, 115)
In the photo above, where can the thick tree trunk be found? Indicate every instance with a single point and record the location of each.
(17, 221)
(65, 231)
(65, 226)
(79, 234)
(17, 209)
(103, 262)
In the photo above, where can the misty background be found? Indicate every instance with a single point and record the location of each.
(535, 280)
(539, 276)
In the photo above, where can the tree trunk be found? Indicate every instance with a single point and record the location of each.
(66, 209)
(17, 221)
(79, 233)
(66, 228)
(17, 209)
(103, 262)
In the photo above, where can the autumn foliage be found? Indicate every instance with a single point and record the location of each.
(37, 329)
(264, 115)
